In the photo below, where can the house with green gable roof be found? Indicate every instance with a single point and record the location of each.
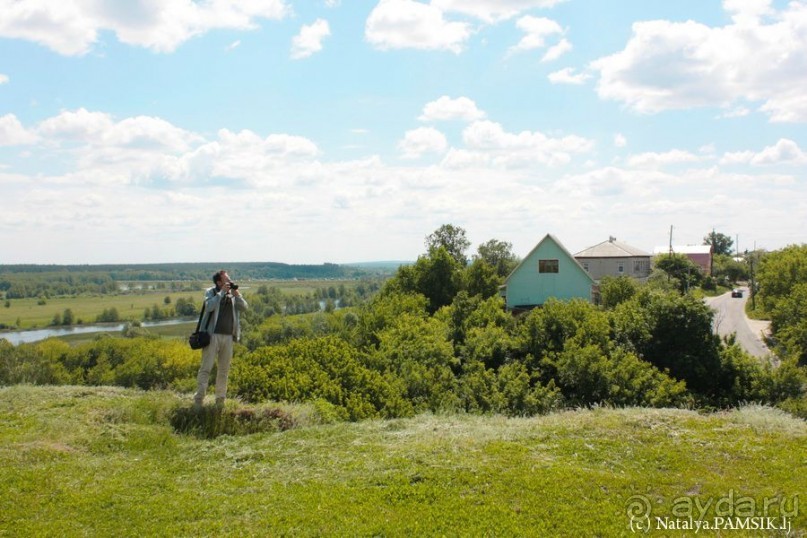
(549, 270)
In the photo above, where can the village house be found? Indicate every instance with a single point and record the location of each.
(549, 270)
(615, 258)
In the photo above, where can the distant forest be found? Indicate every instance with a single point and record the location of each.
(19, 281)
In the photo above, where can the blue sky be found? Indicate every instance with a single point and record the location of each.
(336, 131)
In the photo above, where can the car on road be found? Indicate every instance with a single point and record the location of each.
(737, 292)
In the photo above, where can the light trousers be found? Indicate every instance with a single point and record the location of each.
(221, 351)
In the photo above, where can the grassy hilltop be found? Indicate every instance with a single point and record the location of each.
(103, 461)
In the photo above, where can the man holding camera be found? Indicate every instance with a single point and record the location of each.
(223, 305)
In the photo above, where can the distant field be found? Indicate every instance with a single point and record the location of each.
(85, 308)
(130, 306)
(100, 461)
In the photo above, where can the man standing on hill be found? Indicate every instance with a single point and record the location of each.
(223, 305)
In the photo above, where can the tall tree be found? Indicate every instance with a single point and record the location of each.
(681, 268)
(721, 243)
(499, 254)
(453, 239)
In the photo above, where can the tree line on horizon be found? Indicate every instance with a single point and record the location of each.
(44, 281)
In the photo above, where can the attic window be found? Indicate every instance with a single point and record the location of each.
(547, 266)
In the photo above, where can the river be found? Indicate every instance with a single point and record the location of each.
(35, 335)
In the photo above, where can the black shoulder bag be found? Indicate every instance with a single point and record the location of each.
(199, 339)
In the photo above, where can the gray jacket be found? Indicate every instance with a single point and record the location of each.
(211, 316)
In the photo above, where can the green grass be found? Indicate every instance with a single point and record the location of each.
(78, 461)
(85, 307)
(756, 313)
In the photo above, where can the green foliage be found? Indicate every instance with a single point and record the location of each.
(491, 345)
(686, 274)
(588, 375)
(674, 333)
(451, 238)
(782, 280)
(789, 322)
(617, 290)
(779, 272)
(137, 362)
(185, 306)
(110, 315)
(560, 323)
(35, 365)
(437, 277)
(325, 368)
(744, 378)
(726, 270)
(418, 353)
(721, 243)
(482, 279)
(499, 255)
(521, 395)
(383, 311)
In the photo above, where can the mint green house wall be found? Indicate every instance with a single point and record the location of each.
(526, 287)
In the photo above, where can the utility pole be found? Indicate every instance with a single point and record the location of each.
(671, 249)
(753, 282)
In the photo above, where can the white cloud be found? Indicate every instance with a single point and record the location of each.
(12, 133)
(462, 158)
(446, 109)
(760, 57)
(620, 141)
(285, 189)
(537, 29)
(492, 11)
(568, 76)
(97, 129)
(556, 51)
(785, 151)
(234, 45)
(71, 27)
(737, 112)
(309, 40)
(143, 149)
(3, 79)
(737, 157)
(422, 140)
(748, 10)
(81, 125)
(511, 149)
(658, 160)
(399, 24)
(247, 156)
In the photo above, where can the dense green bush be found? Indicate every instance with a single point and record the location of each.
(326, 368)
(674, 333)
(587, 374)
(146, 363)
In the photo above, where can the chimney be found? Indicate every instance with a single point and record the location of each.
(611, 239)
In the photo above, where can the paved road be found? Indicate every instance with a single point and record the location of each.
(730, 318)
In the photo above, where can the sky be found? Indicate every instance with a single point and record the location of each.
(341, 131)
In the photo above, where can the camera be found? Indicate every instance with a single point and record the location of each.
(233, 285)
